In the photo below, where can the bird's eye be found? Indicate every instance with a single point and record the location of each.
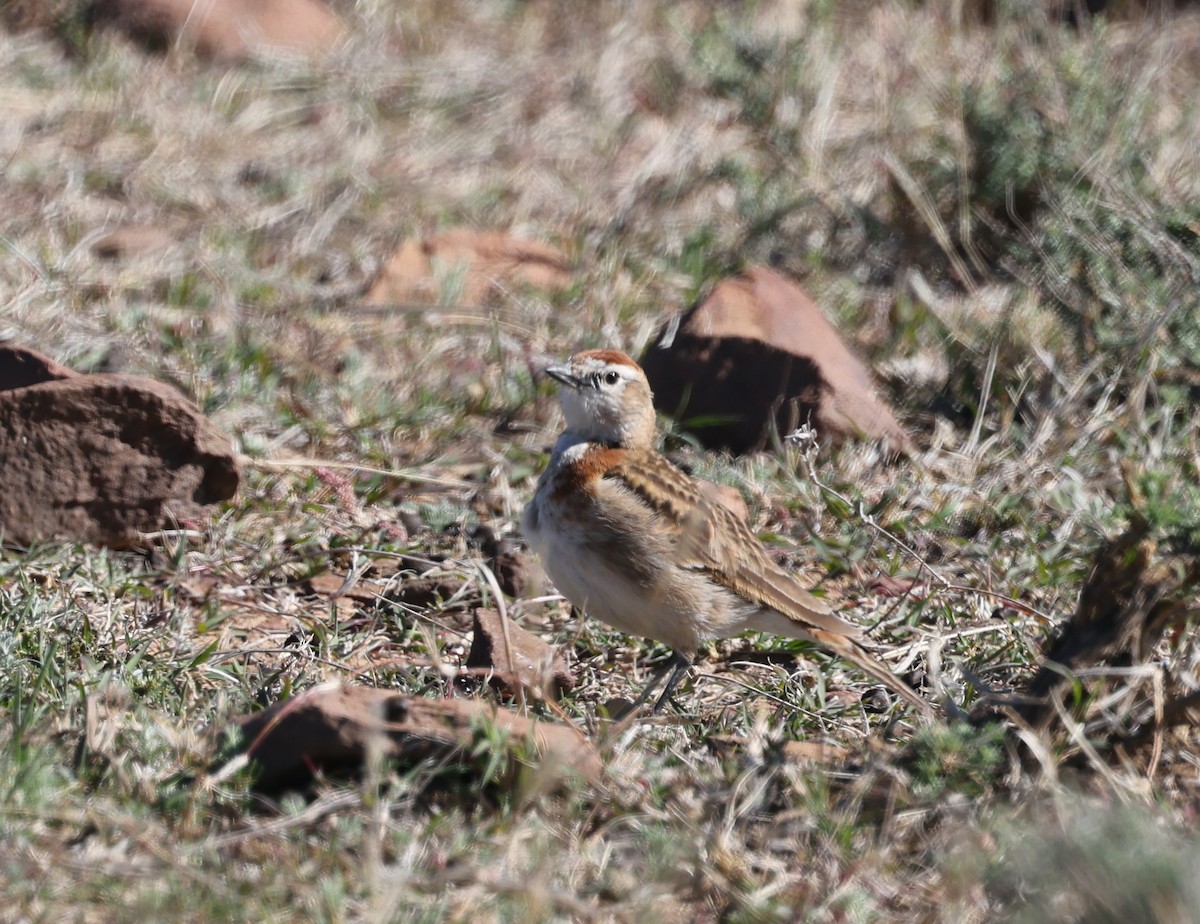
(611, 378)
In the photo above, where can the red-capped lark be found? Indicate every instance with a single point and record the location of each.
(630, 539)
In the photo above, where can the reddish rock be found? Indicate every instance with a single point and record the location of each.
(20, 367)
(424, 591)
(887, 586)
(528, 664)
(99, 458)
(230, 30)
(468, 266)
(132, 241)
(759, 351)
(515, 571)
(332, 728)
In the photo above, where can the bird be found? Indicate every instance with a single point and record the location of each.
(631, 539)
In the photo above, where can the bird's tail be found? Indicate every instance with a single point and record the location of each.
(850, 650)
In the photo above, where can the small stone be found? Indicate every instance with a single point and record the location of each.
(757, 353)
(334, 728)
(132, 241)
(515, 571)
(465, 267)
(100, 458)
(534, 665)
(227, 30)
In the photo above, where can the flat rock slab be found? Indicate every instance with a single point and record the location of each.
(522, 661)
(132, 241)
(227, 30)
(333, 728)
(100, 458)
(758, 353)
(466, 267)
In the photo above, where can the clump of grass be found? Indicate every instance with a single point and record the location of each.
(959, 758)
(1093, 863)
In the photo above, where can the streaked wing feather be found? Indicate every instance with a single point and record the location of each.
(712, 538)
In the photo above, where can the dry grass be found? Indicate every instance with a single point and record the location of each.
(1001, 216)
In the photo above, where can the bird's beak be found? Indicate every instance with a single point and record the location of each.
(563, 374)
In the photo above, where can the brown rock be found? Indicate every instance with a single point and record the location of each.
(424, 591)
(800, 752)
(98, 458)
(887, 586)
(759, 351)
(528, 664)
(515, 571)
(814, 752)
(132, 241)
(326, 585)
(467, 267)
(333, 728)
(230, 30)
(20, 367)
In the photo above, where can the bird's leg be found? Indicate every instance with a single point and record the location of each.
(678, 666)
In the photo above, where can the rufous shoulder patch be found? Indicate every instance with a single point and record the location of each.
(575, 476)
